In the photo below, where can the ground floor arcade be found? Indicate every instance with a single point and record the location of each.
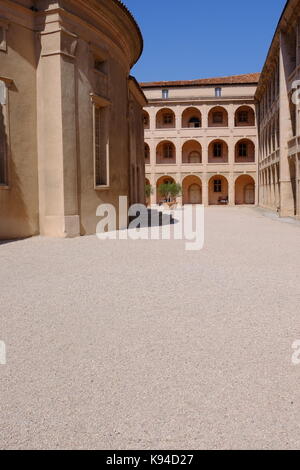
(209, 189)
(279, 186)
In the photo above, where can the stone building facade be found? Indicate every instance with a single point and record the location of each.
(202, 134)
(278, 118)
(71, 133)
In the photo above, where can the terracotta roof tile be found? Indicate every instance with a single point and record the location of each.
(231, 80)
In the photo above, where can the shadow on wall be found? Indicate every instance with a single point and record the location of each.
(12, 208)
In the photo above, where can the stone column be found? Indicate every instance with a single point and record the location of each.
(178, 117)
(178, 179)
(178, 146)
(204, 151)
(152, 146)
(205, 189)
(230, 109)
(57, 133)
(231, 195)
(152, 118)
(204, 111)
(286, 192)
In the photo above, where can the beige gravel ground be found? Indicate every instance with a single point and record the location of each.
(140, 345)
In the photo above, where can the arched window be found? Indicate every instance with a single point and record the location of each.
(165, 118)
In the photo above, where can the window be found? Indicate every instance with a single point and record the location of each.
(101, 146)
(147, 153)
(243, 116)
(3, 135)
(218, 147)
(165, 94)
(194, 122)
(218, 92)
(243, 150)
(217, 117)
(100, 65)
(168, 151)
(217, 186)
(168, 119)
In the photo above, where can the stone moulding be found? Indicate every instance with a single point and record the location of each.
(59, 41)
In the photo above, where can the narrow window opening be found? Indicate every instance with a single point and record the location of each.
(100, 146)
(218, 147)
(243, 150)
(217, 186)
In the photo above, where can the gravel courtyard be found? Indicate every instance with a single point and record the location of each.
(143, 345)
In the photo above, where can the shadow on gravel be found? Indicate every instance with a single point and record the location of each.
(156, 219)
(15, 240)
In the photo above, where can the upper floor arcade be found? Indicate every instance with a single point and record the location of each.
(199, 116)
(196, 153)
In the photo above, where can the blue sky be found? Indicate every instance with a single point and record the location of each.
(186, 40)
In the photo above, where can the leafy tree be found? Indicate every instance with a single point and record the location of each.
(169, 191)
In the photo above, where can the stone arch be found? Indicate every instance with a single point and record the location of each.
(244, 190)
(191, 190)
(244, 151)
(218, 190)
(218, 117)
(192, 152)
(162, 180)
(244, 117)
(165, 119)
(165, 153)
(191, 118)
(218, 151)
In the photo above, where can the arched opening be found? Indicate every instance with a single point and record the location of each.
(165, 119)
(165, 153)
(218, 190)
(191, 118)
(191, 190)
(244, 151)
(244, 190)
(146, 120)
(147, 153)
(191, 152)
(163, 180)
(244, 117)
(218, 117)
(218, 152)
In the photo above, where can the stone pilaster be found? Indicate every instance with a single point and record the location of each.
(286, 192)
(57, 149)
